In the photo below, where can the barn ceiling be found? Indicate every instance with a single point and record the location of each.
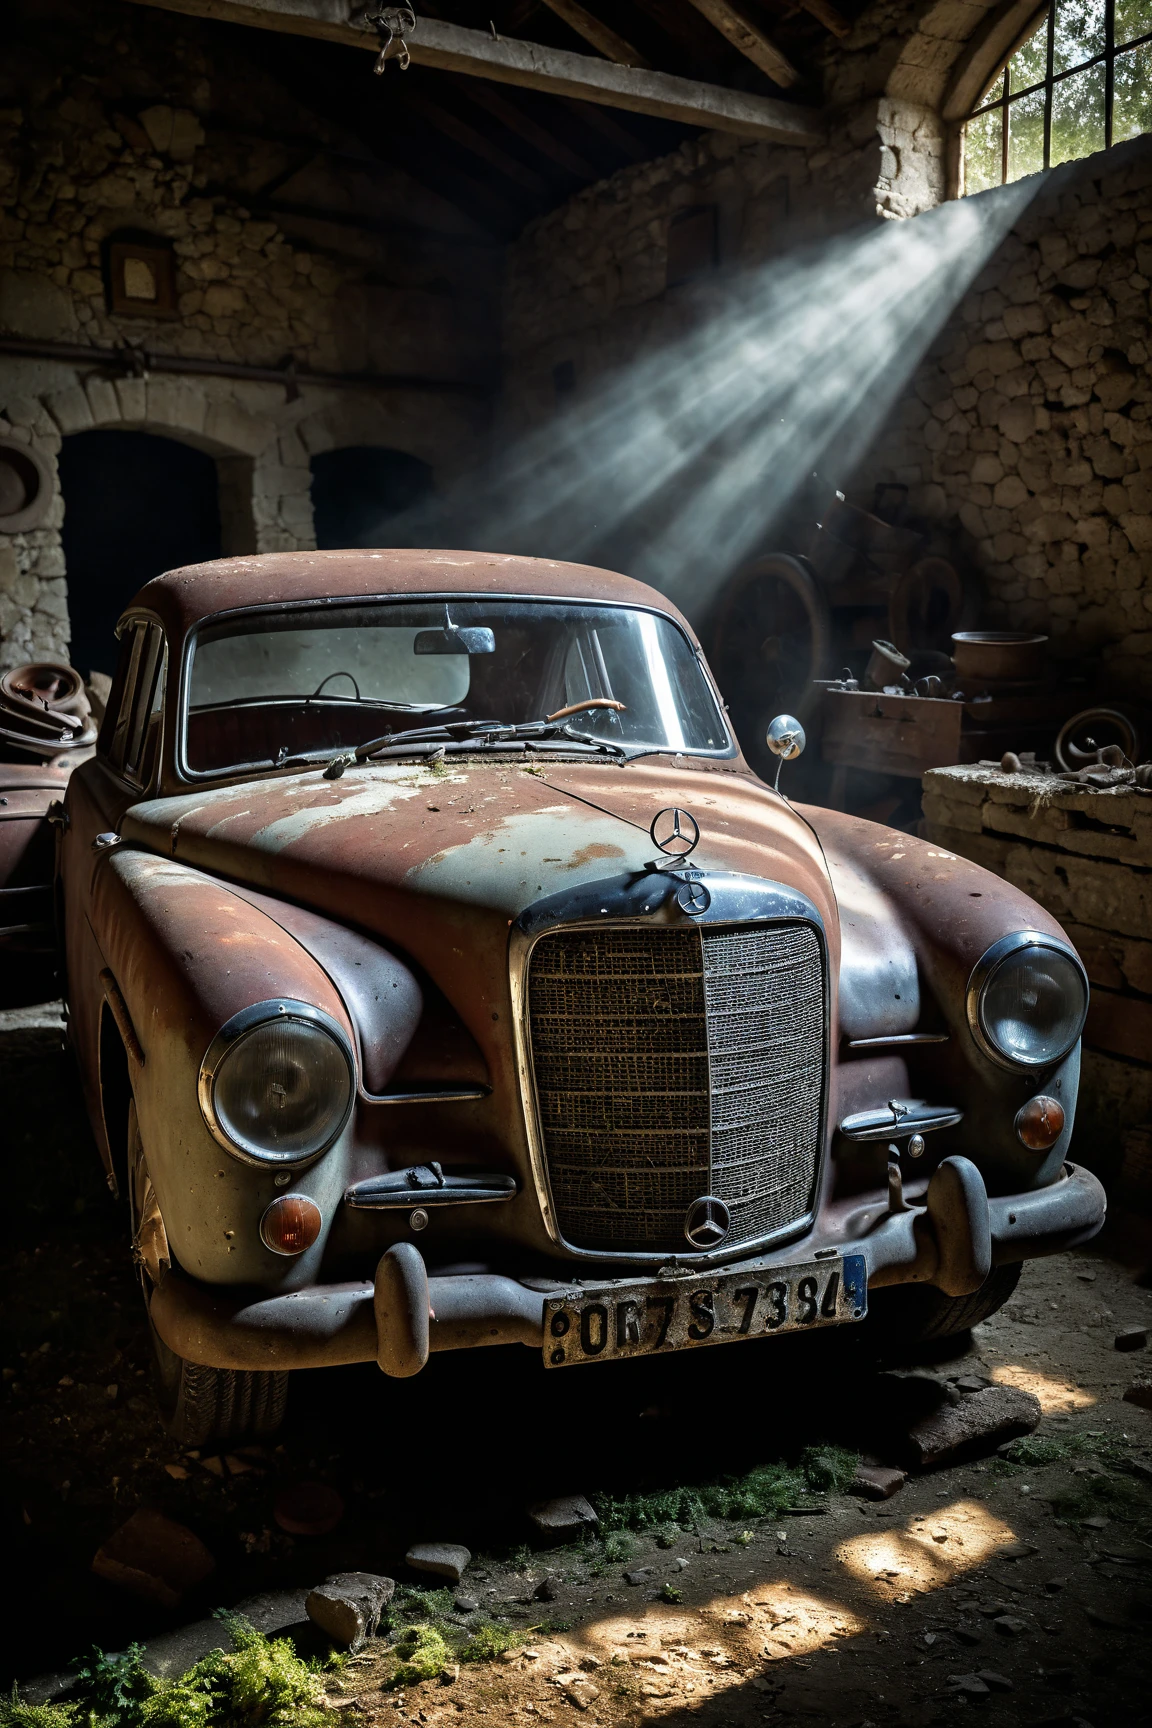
(502, 154)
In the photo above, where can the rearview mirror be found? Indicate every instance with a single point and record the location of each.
(452, 640)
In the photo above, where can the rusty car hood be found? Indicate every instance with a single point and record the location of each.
(417, 854)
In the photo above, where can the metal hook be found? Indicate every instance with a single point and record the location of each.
(393, 24)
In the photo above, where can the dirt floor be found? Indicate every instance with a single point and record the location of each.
(1032, 1576)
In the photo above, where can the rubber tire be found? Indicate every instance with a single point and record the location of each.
(914, 1313)
(199, 1404)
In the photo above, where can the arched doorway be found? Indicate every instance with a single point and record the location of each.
(134, 504)
(361, 496)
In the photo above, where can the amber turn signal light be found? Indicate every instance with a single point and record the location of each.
(1040, 1123)
(291, 1224)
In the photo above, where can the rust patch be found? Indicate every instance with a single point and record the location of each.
(597, 849)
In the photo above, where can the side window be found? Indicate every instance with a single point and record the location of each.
(134, 714)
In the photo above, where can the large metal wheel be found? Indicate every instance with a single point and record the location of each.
(772, 638)
(198, 1404)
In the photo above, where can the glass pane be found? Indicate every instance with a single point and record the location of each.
(1079, 32)
(265, 689)
(982, 160)
(1132, 94)
(1029, 64)
(1078, 115)
(1133, 19)
(1026, 135)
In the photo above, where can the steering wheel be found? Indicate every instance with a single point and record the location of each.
(328, 680)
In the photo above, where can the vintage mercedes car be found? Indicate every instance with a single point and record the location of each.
(441, 976)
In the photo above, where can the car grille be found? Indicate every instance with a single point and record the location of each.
(670, 1064)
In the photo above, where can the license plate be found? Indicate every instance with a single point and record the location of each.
(619, 1320)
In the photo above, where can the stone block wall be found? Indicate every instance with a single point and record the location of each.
(1086, 855)
(137, 124)
(587, 284)
(1026, 434)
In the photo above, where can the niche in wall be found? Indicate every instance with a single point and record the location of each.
(361, 496)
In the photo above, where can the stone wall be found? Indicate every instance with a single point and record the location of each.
(128, 120)
(1026, 434)
(587, 284)
(1086, 855)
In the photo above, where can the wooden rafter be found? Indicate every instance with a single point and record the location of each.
(746, 35)
(513, 118)
(468, 138)
(507, 61)
(602, 37)
(828, 15)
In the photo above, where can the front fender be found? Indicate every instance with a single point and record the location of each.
(185, 954)
(915, 919)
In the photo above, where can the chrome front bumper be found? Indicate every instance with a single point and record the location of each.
(951, 1235)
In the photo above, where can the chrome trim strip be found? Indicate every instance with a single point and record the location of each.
(981, 975)
(645, 899)
(246, 1020)
(427, 1095)
(890, 1039)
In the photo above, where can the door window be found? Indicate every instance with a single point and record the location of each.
(136, 707)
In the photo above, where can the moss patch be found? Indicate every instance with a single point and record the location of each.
(764, 1492)
(261, 1683)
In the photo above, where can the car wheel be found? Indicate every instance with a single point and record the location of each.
(913, 1313)
(198, 1404)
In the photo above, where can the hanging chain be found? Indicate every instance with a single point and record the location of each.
(393, 24)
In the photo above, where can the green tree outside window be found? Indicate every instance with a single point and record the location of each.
(1080, 80)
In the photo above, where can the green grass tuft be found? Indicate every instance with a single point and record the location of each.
(419, 1653)
(14, 1713)
(763, 1492)
(669, 1593)
(489, 1641)
(260, 1683)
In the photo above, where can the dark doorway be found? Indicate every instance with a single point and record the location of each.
(134, 504)
(362, 496)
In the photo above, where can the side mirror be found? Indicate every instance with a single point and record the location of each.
(452, 640)
(786, 740)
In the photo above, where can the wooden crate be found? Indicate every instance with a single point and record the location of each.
(890, 734)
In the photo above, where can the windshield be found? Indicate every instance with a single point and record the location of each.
(265, 689)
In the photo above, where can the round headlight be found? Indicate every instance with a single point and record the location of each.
(277, 1084)
(1027, 999)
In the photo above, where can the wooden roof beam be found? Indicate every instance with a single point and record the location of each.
(733, 22)
(601, 36)
(509, 115)
(828, 15)
(509, 61)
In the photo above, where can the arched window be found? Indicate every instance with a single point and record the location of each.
(1079, 81)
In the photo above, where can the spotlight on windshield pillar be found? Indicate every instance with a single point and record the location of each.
(786, 740)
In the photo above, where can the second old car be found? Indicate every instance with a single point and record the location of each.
(441, 976)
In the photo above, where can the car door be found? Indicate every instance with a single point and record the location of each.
(125, 766)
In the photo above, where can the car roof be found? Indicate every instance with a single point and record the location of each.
(182, 598)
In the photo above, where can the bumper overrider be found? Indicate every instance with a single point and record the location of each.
(952, 1237)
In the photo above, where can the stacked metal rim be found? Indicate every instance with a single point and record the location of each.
(44, 713)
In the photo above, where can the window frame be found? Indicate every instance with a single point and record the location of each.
(124, 738)
(1044, 17)
(188, 775)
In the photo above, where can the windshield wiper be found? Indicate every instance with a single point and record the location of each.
(467, 734)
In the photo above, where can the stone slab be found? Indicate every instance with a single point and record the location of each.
(977, 1424)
